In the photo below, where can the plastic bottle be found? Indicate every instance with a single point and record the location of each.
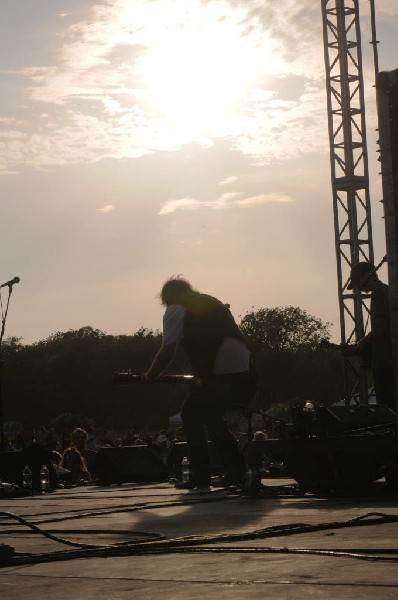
(44, 479)
(185, 472)
(251, 485)
(27, 479)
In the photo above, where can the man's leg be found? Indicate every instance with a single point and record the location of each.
(227, 448)
(193, 427)
(230, 390)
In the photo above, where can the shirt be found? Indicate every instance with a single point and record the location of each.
(232, 356)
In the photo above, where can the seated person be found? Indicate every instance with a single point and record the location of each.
(63, 475)
(79, 440)
(74, 462)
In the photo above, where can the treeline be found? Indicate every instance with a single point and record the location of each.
(71, 372)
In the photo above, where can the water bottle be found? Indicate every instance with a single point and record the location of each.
(251, 485)
(27, 479)
(44, 479)
(185, 472)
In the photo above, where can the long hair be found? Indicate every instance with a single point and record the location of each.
(174, 289)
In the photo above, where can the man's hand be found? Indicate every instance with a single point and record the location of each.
(145, 377)
(160, 362)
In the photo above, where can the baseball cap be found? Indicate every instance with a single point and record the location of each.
(358, 272)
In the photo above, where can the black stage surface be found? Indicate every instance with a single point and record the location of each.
(128, 544)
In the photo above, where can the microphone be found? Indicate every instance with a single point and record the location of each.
(11, 282)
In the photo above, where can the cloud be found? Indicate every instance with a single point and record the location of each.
(184, 203)
(228, 180)
(265, 199)
(225, 201)
(97, 93)
(107, 208)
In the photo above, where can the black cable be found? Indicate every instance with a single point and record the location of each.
(76, 544)
(138, 506)
(196, 544)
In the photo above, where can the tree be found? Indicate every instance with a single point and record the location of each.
(284, 329)
(284, 345)
(72, 372)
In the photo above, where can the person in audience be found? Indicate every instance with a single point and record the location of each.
(79, 440)
(74, 462)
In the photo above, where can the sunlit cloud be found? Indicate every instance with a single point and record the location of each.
(138, 77)
(12, 135)
(228, 180)
(265, 199)
(107, 208)
(225, 201)
(8, 120)
(184, 203)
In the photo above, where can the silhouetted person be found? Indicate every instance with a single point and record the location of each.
(79, 439)
(377, 343)
(206, 330)
(74, 462)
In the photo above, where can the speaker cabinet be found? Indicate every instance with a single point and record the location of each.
(343, 418)
(129, 464)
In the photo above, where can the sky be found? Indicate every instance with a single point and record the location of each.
(145, 138)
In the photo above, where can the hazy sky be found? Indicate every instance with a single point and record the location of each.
(145, 138)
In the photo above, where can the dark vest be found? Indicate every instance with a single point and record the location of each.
(207, 322)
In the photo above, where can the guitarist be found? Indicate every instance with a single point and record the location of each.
(378, 340)
(205, 328)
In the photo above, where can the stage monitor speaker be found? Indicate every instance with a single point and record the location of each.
(343, 418)
(11, 466)
(129, 464)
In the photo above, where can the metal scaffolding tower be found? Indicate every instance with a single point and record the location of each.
(349, 170)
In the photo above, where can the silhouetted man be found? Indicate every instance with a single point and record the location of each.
(206, 330)
(378, 341)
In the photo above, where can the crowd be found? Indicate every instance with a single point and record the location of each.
(72, 453)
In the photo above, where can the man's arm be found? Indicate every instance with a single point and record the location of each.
(379, 328)
(162, 359)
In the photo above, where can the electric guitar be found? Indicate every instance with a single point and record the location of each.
(127, 377)
(365, 354)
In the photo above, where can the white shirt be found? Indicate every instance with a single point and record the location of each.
(232, 356)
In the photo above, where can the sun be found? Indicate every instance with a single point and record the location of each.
(198, 74)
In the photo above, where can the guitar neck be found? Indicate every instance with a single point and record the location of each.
(127, 377)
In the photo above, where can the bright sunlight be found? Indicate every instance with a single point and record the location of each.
(198, 73)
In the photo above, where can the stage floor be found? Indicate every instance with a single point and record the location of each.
(210, 566)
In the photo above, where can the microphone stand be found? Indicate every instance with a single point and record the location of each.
(3, 326)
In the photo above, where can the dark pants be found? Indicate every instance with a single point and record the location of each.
(383, 382)
(203, 411)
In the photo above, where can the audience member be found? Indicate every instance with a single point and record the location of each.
(74, 462)
(63, 475)
(79, 441)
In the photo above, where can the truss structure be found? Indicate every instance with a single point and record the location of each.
(349, 170)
